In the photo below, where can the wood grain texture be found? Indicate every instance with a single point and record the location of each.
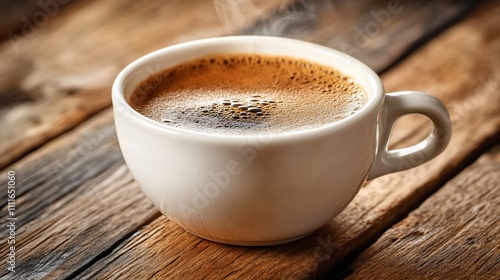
(56, 75)
(453, 235)
(163, 250)
(375, 32)
(117, 240)
(49, 74)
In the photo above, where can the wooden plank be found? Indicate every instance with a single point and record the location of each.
(163, 250)
(366, 217)
(378, 32)
(49, 75)
(453, 235)
(63, 202)
(66, 163)
(47, 80)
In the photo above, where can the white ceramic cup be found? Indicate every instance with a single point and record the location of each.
(263, 190)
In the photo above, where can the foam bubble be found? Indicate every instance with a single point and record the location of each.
(254, 109)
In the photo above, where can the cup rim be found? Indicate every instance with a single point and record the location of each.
(374, 100)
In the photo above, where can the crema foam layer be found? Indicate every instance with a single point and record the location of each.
(248, 94)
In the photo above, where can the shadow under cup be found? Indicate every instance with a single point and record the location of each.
(249, 190)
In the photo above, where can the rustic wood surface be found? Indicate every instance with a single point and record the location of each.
(379, 33)
(454, 233)
(81, 215)
(52, 70)
(157, 251)
(15, 14)
(72, 184)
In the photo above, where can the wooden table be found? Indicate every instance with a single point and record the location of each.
(78, 214)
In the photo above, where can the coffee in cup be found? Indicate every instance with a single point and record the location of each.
(243, 152)
(247, 94)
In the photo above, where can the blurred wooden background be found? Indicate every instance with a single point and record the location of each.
(81, 215)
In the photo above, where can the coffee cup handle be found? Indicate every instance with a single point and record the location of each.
(397, 105)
